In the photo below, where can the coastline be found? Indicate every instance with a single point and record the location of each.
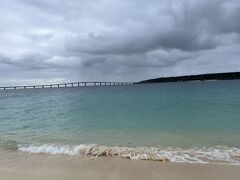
(204, 155)
(24, 166)
(193, 128)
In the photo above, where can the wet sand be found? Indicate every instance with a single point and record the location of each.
(23, 166)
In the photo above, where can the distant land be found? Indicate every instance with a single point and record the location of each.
(199, 77)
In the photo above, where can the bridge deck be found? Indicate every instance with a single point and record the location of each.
(75, 84)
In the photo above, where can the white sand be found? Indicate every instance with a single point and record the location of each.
(23, 166)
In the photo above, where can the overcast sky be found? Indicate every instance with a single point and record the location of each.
(43, 41)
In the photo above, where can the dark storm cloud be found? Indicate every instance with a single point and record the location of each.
(190, 26)
(117, 40)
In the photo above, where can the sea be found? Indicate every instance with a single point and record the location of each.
(190, 122)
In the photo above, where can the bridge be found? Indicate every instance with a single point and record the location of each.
(75, 84)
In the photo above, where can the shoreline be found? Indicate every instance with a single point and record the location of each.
(24, 166)
(217, 155)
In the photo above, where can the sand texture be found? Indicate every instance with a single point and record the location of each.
(23, 166)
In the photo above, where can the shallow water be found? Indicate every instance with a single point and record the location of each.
(181, 116)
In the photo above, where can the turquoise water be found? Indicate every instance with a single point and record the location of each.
(176, 115)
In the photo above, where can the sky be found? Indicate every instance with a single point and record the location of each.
(46, 41)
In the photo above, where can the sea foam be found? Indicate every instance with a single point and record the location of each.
(194, 155)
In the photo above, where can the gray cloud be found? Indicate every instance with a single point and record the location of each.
(117, 40)
(189, 26)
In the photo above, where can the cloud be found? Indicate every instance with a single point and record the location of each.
(117, 40)
(190, 26)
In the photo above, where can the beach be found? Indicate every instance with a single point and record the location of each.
(148, 131)
(23, 166)
(119, 90)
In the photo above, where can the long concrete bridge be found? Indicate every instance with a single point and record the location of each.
(75, 84)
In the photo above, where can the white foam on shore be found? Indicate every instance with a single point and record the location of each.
(194, 155)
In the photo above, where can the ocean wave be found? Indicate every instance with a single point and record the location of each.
(218, 154)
